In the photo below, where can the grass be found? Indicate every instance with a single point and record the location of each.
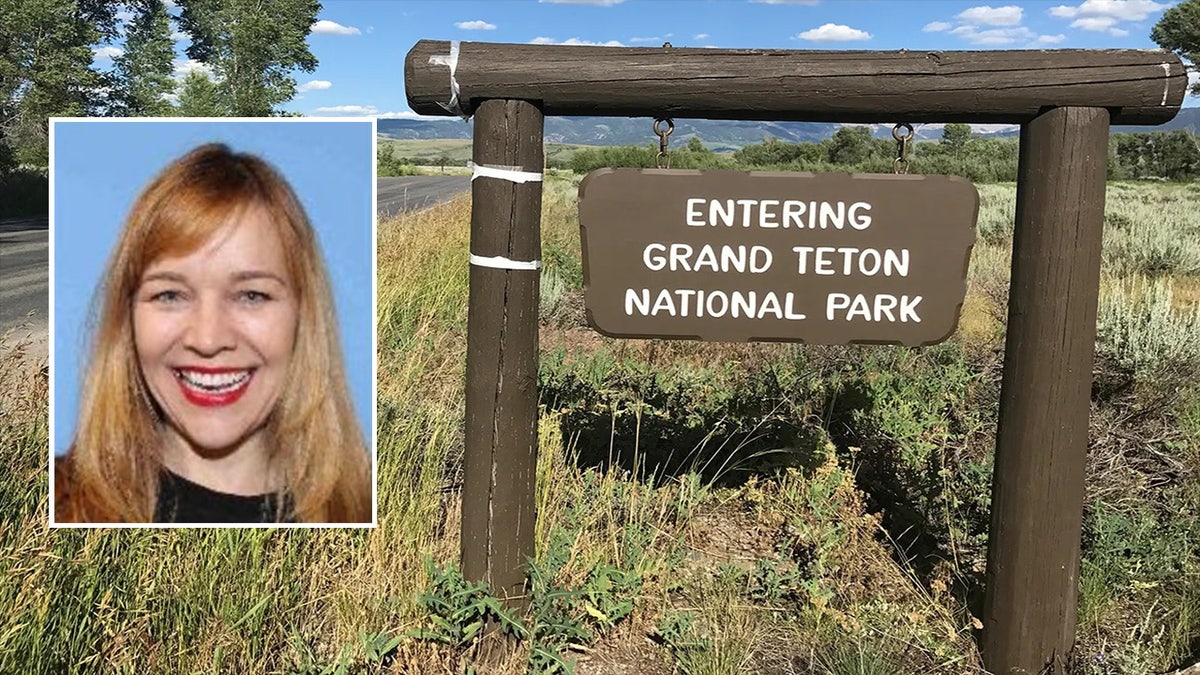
(746, 508)
(458, 151)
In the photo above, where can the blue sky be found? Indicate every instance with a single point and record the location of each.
(361, 44)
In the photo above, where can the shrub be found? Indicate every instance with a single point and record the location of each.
(1154, 246)
(25, 192)
(1140, 331)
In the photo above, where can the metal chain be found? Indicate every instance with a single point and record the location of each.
(901, 163)
(664, 160)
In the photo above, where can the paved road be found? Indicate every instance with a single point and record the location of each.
(25, 260)
(408, 193)
(24, 272)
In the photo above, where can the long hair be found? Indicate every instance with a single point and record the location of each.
(111, 472)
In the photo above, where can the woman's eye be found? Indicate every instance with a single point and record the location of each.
(253, 297)
(166, 297)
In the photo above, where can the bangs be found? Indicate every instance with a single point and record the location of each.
(179, 231)
(202, 196)
(193, 211)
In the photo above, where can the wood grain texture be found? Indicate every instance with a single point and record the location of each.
(1041, 446)
(1136, 86)
(501, 389)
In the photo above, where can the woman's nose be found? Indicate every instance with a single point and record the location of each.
(210, 331)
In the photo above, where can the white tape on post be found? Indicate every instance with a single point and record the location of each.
(450, 60)
(508, 173)
(502, 263)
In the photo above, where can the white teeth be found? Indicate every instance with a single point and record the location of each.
(213, 382)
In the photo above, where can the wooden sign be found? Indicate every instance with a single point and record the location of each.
(736, 256)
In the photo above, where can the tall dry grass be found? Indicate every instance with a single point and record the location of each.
(779, 560)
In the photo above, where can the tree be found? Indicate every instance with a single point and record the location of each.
(955, 136)
(1179, 31)
(1179, 157)
(144, 70)
(46, 68)
(252, 46)
(771, 152)
(851, 145)
(199, 97)
(954, 140)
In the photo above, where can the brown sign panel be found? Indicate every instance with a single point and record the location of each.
(736, 256)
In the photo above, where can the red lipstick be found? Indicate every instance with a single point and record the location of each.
(201, 395)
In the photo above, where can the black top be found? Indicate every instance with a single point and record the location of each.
(182, 501)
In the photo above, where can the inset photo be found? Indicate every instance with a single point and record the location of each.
(212, 311)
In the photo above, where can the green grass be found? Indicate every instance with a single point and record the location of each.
(458, 151)
(766, 508)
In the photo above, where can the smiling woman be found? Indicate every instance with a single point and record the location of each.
(215, 391)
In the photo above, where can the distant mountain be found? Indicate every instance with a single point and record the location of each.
(1188, 118)
(423, 129)
(716, 134)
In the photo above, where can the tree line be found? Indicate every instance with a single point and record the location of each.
(1173, 155)
(240, 59)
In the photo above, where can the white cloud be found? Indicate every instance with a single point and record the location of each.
(832, 32)
(1119, 10)
(371, 112)
(348, 110)
(410, 115)
(994, 36)
(475, 25)
(106, 52)
(314, 85)
(1051, 39)
(326, 27)
(1095, 23)
(180, 36)
(600, 3)
(937, 26)
(183, 68)
(1009, 15)
(700, 36)
(647, 39)
(1100, 24)
(576, 42)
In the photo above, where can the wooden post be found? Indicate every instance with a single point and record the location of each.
(1041, 446)
(502, 332)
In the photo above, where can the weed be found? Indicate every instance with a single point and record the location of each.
(677, 632)
(853, 657)
(459, 611)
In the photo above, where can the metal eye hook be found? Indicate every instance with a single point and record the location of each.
(900, 165)
(664, 160)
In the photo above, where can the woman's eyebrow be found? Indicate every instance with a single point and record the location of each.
(251, 275)
(163, 276)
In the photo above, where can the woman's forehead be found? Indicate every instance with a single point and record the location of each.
(248, 242)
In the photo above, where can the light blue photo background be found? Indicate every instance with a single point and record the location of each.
(101, 167)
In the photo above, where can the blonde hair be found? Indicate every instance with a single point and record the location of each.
(111, 472)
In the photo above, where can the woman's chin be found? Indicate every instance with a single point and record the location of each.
(214, 443)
